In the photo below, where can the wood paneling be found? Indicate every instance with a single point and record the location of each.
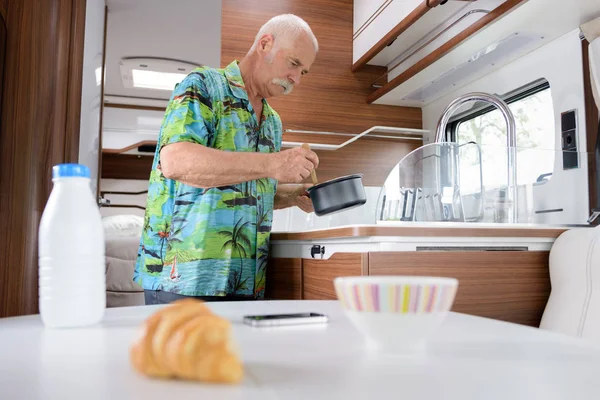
(332, 138)
(3, 9)
(446, 48)
(508, 286)
(385, 41)
(3, 33)
(135, 107)
(418, 231)
(319, 274)
(330, 98)
(40, 128)
(130, 147)
(284, 279)
(73, 79)
(593, 130)
(126, 166)
(374, 158)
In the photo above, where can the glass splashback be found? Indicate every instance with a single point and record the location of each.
(448, 182)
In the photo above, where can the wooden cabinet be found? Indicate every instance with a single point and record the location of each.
(2, 49)
(318, 275)
(377, 25)
(311, 279)
(374, 21)
(284, 279)
(511, 286)
(406, 37)
(366, 11)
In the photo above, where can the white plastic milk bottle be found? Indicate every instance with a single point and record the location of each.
(72, 283)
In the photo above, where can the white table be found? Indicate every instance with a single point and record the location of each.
(470, 358)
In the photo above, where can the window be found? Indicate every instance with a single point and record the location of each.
(534, 117)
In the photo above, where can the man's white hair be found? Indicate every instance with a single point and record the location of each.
(285, 28)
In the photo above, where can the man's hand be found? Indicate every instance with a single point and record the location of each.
(293, 195)
(293, 165)
(302, 200)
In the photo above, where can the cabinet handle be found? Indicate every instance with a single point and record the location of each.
(317, 249)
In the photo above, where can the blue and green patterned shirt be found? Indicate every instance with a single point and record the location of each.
(210, 242)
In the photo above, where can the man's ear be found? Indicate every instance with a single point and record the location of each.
(265, 44)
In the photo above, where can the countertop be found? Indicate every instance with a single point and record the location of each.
(468, 358)
(429, 229)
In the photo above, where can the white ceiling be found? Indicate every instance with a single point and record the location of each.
(186, 30)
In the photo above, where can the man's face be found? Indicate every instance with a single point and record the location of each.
(281, 70)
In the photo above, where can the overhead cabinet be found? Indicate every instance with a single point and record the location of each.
(378, 24)
(406, 37)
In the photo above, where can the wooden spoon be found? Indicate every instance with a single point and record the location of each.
(313, 173)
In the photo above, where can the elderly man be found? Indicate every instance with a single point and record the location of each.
(217, 170)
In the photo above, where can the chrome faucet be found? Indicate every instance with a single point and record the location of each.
(511, 138)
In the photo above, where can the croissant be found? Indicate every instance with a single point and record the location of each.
(185, 340)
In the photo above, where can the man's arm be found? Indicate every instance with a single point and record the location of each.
(187, 156)
(204, 167)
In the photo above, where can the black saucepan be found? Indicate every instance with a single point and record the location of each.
(338, 194)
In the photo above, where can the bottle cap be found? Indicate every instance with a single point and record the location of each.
(70, 171)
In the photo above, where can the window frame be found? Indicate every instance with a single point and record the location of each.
(512, 97)
(520, 93)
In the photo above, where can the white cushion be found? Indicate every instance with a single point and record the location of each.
(123, 225)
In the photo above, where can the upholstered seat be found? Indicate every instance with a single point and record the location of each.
(121, 290)
(574, 304)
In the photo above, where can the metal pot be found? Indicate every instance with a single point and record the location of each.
(338, 194)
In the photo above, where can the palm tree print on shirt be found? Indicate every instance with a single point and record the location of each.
(237, 241)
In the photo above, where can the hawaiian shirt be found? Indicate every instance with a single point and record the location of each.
(210, 242)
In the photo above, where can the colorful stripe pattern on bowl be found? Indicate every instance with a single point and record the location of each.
(403, 299)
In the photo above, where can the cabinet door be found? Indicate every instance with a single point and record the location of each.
(367, 10)
(2, 53)
(318, 275)
(284, 279)
(381, 24)
(511, 286)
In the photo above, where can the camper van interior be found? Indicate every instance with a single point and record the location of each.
(474, 128)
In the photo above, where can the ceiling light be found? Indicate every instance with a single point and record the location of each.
(156, 80)
(153, 73)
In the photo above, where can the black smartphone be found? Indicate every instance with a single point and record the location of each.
(285, 319)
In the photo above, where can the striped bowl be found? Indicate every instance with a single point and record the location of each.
(397, 313)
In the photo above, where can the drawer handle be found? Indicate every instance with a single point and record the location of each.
(317, 249)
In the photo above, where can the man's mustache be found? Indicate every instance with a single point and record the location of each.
(287, 86)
